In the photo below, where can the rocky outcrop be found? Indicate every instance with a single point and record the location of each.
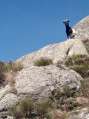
(82, 29)
(55, 51)
(38, 81)
(7, 101)
(81, 114)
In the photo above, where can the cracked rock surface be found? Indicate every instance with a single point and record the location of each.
(37, 81)
(82, 29)
(56, 52)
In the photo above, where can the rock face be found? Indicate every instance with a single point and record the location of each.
(8, 100)
(82, 29)
(55, 51)
(82, 114)
(38, 81)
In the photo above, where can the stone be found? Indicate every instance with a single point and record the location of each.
(82, 114)
(57, 52)
(8, 100)
(38, 81)
(82, 29)
(4, 91)
(9, 117)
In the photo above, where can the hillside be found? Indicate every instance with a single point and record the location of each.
(57, 52)
(65, 84)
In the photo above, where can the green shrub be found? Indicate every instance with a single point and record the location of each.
(43, 61)
(84, 89)
(44, 108)
(2, 78)
(2, 70)
(67, 91)
(16, 112)
(2, 67)
(81, 69)
(79, 63)
(26, 106)
(5, 68)
(58, 94)
(23, 109)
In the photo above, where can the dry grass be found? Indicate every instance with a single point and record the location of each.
(13, 66)
(10, 79)
(8, 71)
(84, 89)
(58, 114)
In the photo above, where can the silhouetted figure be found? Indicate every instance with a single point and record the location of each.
(69, 31)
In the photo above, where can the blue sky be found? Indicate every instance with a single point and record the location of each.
(28, 25)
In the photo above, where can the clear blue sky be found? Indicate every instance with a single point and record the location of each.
(28, 25)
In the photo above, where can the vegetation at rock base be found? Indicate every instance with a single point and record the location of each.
(43, 109)
(2, 70)
(26, 108)
(43, 61)
(7, 68)
(13, 66)
(84, 89)
(79, 63)
(58, 114)
(57, 106)
(23, 109)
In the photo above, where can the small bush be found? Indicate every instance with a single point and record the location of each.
(2, 70)
(23, 109)
(16, 112)
(44, 108)
(6, 69)
(58, 94)
(79, 63)
(2, 67)
(81, 69)
(84, 89)
(2, 78)
(14, 66)
(26, 106)
(67, 91)
(43, 61)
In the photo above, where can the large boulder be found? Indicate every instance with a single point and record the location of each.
(38, 81)
(82, 29)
